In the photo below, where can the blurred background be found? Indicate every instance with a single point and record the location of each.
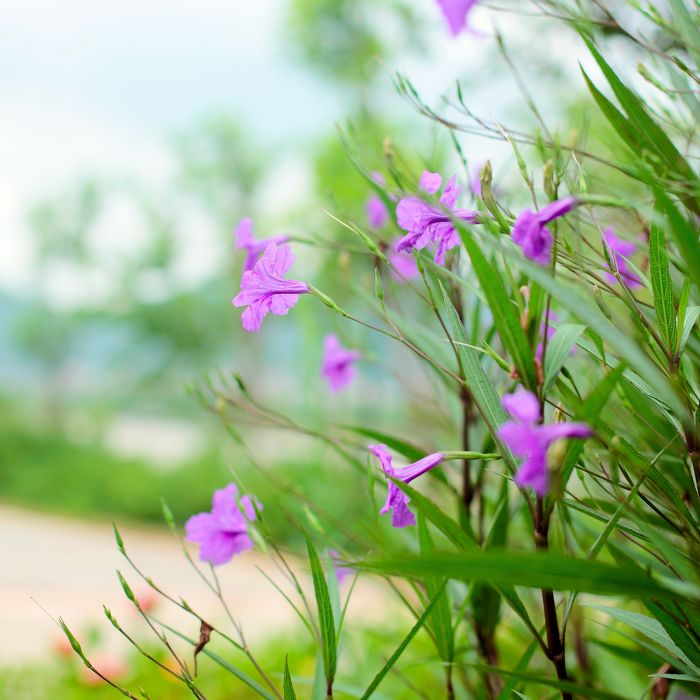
(133, 138)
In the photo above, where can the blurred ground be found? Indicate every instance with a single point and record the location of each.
(68, 567)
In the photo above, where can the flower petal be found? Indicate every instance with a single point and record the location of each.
(520, 439)
(556, 209)
(381, 452)
(522, 405)
(413, 471)
(430, 182)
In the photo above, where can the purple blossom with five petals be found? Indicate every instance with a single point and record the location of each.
(426, 223)
(397, 501)
(530, 231)
(456, 13)
(619, 250)
(527, 437)
(223, 532)
(245, 239)
(264, 289)
(405, 267)
(338, 363)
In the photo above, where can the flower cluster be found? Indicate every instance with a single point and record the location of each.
(428, 224)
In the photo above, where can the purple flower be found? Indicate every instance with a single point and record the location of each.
(245, 239)
(619, 250)
(426, 223)
(430, 182)
(338, 363)
(377, 213)
(396, 500)
(405, 267)
(456, 13)
(264, 289)
(224, 531)
(527, 437)
(531, 233)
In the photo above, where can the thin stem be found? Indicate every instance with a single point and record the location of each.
(555, 643)
(241, 636)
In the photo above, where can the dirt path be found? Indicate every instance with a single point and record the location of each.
(68, 566)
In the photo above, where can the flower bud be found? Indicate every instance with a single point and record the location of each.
(485, 181)
(598, 296)
(550, 187)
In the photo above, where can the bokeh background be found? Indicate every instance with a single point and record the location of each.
(133, 137)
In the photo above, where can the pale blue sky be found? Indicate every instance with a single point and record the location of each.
(99, 86)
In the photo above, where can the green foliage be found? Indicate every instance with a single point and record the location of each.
(621, 516)
(342, 39)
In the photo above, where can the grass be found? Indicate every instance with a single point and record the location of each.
(48, 472)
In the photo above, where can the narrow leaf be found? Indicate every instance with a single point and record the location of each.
(325, 613)
(505, 315)
(559, 349)
(661, 286)
(289, 693)
(532, 570)
(480, 387)
(402, 647)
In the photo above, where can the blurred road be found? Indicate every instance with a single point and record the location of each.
(68, 567)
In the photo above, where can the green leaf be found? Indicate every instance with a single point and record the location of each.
(661, 287)
(440, 620)
(617, 120)
(654, 137)
(505, 315)
(588, 411)
(687, 28)
(480, 387)
(686, 236)
(689, 321)
(533, 570)
(459, 539)
(289, 693)
(437, 516)
(325, 613)
(402, 647)
(649, 627)
(566, 686)
(396, 444)
(570, 297)
(558, 351)
(318, 689)
(513, 679)
(678, 634)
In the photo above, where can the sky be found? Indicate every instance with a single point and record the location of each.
(99, 87)
(91, 88)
